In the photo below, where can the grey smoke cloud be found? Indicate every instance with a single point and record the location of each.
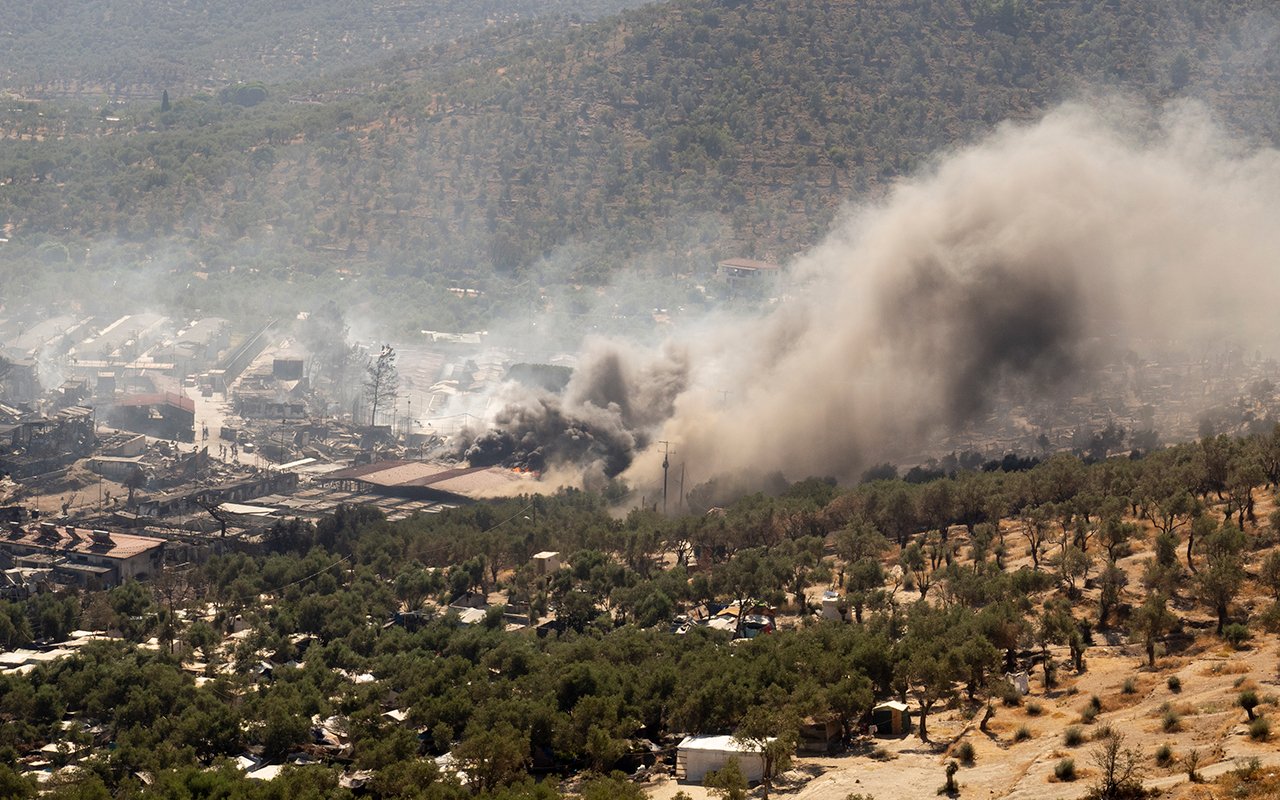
(616, 398)
(1014, 265)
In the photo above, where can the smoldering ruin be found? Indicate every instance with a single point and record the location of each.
(1013, 272)
(604, 416)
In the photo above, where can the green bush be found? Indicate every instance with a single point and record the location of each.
(1174, 683)
(1260, 729)
(1023, 734)
(1073, 736)
(1010, 696)
(1236, 634)
(1065, 770)
(1247, 770)
(1248, 700)
(1034, 709)
(964, 751)
(1164, 755)
(1088, 714)
(1270, 619)
(1171, 721)
(1130, 686)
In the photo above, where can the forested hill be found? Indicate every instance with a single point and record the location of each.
(140, 47)
(684, 130)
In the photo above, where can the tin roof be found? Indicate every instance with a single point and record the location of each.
(445, 477)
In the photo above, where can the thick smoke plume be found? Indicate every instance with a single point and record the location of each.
(1009, 268)
(612, 403)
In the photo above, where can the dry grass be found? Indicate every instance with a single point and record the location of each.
(1229, 667)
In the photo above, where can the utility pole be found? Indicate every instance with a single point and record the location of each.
(667, 452)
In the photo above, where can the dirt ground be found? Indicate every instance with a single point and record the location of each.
(1211, 724)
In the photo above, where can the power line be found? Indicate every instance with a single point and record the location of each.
(314, 574)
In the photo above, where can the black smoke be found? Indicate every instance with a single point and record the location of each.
(604, 416)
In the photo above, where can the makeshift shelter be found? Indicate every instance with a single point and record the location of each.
(1020, 681)
(891, 718)
(698, 755)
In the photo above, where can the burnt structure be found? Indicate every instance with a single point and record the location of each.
(35, 446)
(164, 415)
(92, 558)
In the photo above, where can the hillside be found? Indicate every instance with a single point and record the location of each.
(137, 48)
(1030, 621)
(660, 139)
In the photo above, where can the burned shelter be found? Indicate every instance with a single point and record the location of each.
(164, 415)
(94, 558)
(34, 446)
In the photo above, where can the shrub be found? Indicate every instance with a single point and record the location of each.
(1010, 696)
(1236, 634)
(1103, 732)
(1171, 722)
(1260, 729)
(1034, 708)
(1164, 755)
(950, 787)
(1270, 619)
(1088, 714)
(1073, 736)
(1248, 700)
(728, 780)
(1023, 733)
(1247, 769)
(1190, 762)
(1174, 683)
(1130, 686)
(1065, 770)
(964, 751)
(1095, 703)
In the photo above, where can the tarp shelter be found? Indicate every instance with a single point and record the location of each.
(1019, 681)
(891, 718)
(698, 755)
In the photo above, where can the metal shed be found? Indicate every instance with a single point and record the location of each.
(891, 718)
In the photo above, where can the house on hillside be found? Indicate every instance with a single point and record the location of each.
(745, 275)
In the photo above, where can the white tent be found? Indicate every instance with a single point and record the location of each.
(698, 755)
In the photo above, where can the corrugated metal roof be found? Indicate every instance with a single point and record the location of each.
(724, 744)
(448, 478)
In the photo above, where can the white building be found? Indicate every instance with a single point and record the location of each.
(698, 755)
(547, 562)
